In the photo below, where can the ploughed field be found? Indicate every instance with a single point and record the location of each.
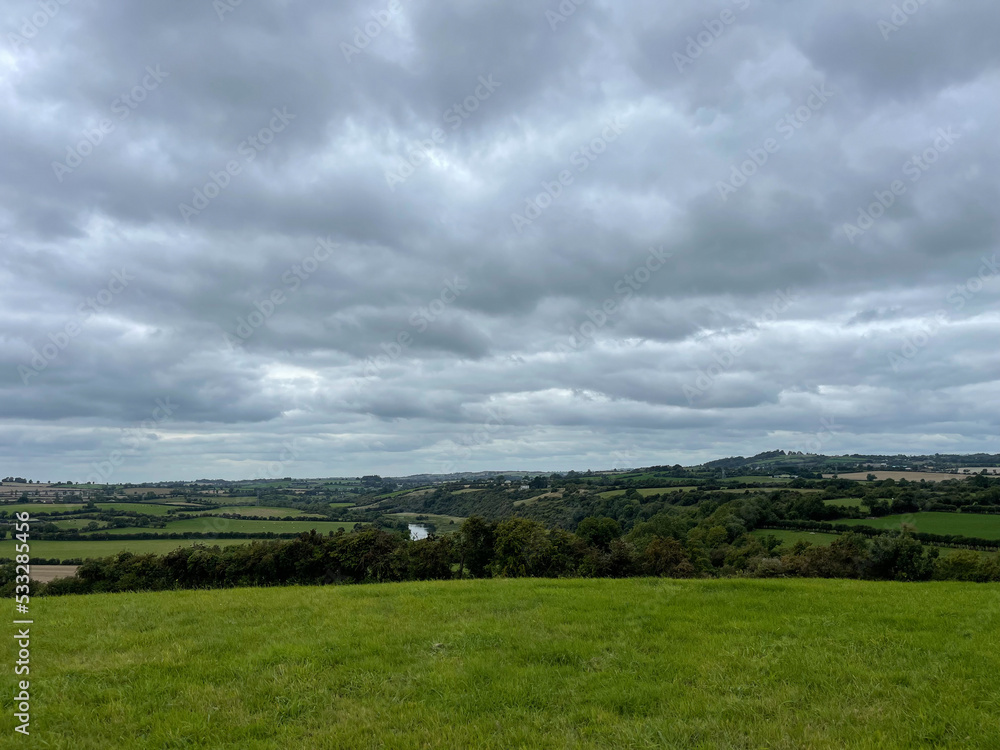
(533, 663)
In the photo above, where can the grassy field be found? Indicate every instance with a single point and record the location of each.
(788, 538)
(753, 479)
(255, 510)
(819, 538)
(966, 524)
(647, 491)
(88, 550)
(442, 522)
(227, 525)
(909, 476)
(38, 509)
(147, 509)
(637, 663)
(76, 523)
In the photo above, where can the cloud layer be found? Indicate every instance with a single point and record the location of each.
(283, 238)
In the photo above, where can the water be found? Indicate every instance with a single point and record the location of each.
(417, 531)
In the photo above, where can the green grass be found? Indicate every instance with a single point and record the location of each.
(227, 525)
(647, 491)
(86, 550)
(442, 522)
(255, 510)
(788, 538)
(967, 524)
(637, 663)
(39, 509)
(845, 502)
(146, 509)
(341, 505)
(77, 523)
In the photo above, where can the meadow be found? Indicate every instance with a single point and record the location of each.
(500, 663)
(39, 509)
(647, 491)
(88, 550)
(788, 538)
(227, 525)
(846, 502)
(910, 476)
(255, 510)
(442, 522)
(978, 525)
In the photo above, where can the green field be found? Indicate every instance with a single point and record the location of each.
(635, 663)
(788, 538)
(227, 525)
(442, 522)
(647, 491)
(255, 510)
(146, 509)
(39, 509)
(76, 523)
(967, 524)
(85, 550)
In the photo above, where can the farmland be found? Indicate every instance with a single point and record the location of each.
(524, 663)
(964, 524)
(71, 550)
(254, 510)
(791, 537)
(225, 525)
(647, 491)
(910, 476)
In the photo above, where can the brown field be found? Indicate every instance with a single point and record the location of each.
(46, 573)
(910, 476)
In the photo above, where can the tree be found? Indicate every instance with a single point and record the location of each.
(522, 548)
(665, 557)
(899, 557)
(599, 532)
(476, 539)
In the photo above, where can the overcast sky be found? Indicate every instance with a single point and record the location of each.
(292, 237)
